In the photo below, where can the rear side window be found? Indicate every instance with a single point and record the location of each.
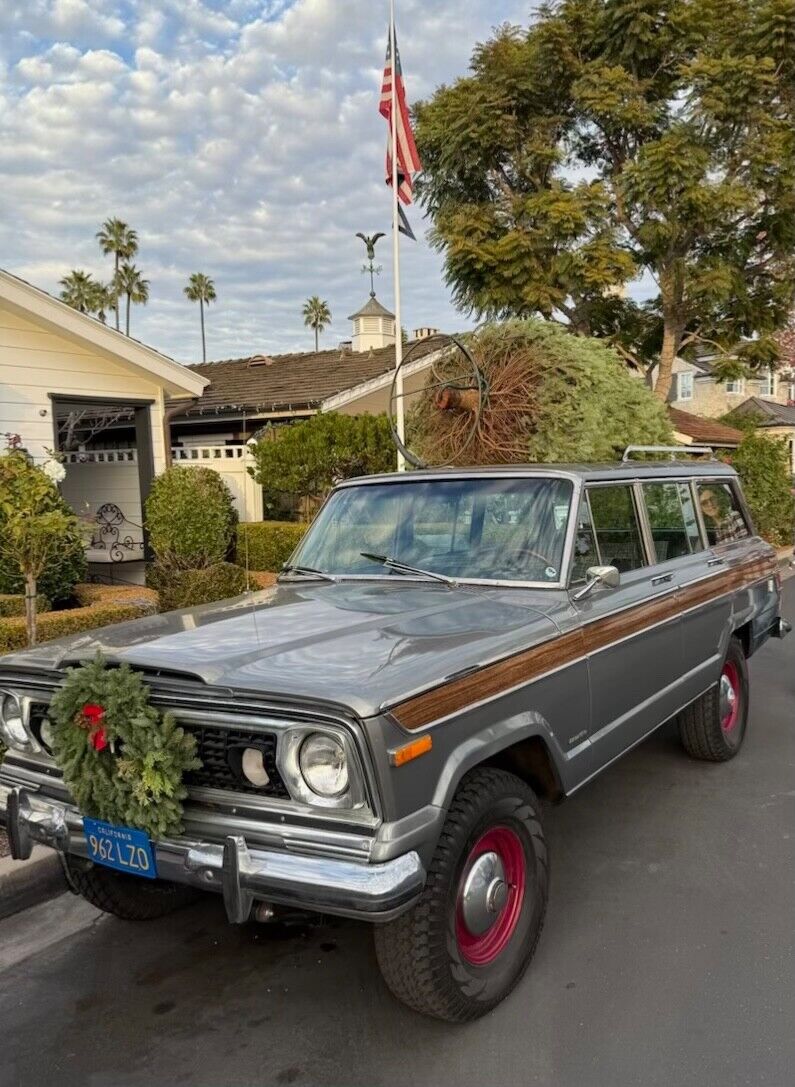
(615, 524)
(723, 518)
(672, 519)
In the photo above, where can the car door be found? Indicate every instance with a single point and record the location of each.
(677, 539)
(631, 636)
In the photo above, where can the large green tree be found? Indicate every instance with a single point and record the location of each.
(116, 238)
(622, 138)
(201, 289)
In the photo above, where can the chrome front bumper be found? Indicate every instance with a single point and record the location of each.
(374, 892)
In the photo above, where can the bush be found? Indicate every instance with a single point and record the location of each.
(190, 518)
(267, 545)
(19, 480)
(187, 588)
(15, 605)
(116, 605)
(762, 464)
(304, 460)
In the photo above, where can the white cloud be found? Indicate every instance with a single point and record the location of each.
(241, 139)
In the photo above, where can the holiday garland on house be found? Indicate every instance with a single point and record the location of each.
(122, 759)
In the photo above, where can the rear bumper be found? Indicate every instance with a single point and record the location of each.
(373, 892)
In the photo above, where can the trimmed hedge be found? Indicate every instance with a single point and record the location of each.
(267, 545)
(106, 604)
(190, 517)
(188, 588)
(261, 579)
(13, 604)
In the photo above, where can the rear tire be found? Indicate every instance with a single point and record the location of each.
(713, 727)
(439, 958)
(129, 897)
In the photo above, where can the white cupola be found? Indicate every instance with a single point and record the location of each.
(373, 326)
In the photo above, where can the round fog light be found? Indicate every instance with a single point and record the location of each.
(324, 765)
(253, 767)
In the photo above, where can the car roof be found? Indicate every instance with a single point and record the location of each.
(618, 470)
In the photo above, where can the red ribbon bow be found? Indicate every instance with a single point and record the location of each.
(91, 718)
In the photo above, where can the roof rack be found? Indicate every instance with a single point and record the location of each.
(671, 450)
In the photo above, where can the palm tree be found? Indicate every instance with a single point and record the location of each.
(117, 238)
(103, 298)
(78, 290)
(130, 282)
(201, 289)
(316, 315)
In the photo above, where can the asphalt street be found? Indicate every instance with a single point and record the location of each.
(667, 957)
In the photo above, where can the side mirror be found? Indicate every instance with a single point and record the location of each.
(598, 575)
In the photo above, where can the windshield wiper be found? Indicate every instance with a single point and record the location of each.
(307, 571)
(405, 568)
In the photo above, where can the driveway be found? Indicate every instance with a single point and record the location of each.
(667, 957)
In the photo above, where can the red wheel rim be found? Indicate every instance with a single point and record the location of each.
(730, 695)
(482, 947)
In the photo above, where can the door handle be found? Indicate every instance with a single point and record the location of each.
(716, 562)
(661, 578)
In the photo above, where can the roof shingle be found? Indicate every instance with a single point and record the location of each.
(709, 431)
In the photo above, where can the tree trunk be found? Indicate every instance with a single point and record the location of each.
(30, 609)
(115, 289)
(128, 315)
(317, 348)
(670, 346)
(201, 314)
(671, 295)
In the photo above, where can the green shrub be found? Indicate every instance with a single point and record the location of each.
(20, 480)
(762, 464)
(120, 604)
(15, 605)
(267, 545)
(190, 518)
(187, 588)
(304, 460)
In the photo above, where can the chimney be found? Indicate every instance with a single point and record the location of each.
(424, 333)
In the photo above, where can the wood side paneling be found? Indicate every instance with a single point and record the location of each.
(499, 676)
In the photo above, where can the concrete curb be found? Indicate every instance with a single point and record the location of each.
(26, 883)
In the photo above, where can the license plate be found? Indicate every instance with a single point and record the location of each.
(123, 848)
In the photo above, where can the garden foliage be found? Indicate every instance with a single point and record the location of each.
(187, 588)
(190, 518)
(306, 459)
(762, 463)
(267, 545)
(37, 525)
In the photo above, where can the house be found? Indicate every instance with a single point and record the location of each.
(65, 378)
(775, 419)
(696, 389)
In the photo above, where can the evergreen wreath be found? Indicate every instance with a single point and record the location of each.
(122, 759)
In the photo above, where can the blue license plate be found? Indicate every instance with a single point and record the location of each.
(123, 848)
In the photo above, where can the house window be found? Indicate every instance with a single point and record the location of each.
(684, 386)
(767, 384)
(737, 386)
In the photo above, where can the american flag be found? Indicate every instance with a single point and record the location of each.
(408, 161)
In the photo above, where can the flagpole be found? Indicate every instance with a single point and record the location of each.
(399, 419)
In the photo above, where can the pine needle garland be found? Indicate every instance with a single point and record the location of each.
(122, 759)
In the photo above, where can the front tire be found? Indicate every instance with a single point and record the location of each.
(469, 939)
(129, 897)
(713, 727)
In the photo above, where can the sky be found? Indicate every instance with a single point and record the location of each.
(241, 139)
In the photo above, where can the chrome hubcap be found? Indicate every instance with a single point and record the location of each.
(728, 697)
(485, 893)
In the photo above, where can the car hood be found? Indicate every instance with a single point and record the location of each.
(357, 644)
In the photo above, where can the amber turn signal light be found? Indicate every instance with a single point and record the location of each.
(411, 751)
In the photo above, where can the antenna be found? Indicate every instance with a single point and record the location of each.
(247, 564)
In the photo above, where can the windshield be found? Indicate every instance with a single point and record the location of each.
(496, 529)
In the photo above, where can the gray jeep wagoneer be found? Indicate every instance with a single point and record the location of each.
(444, 650)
